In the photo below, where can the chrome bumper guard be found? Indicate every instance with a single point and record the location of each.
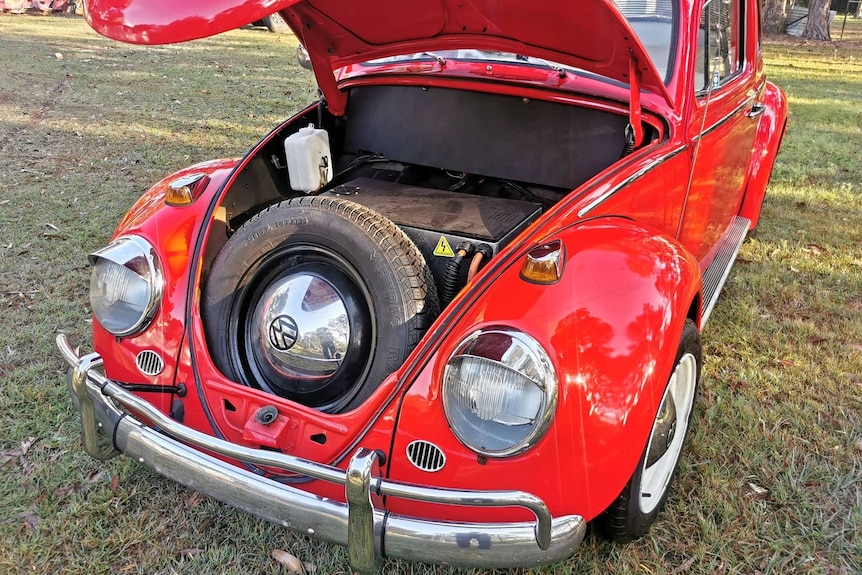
(368, 533)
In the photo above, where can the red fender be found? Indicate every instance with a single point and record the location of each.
(766, 145)
(172, 231)
(611, 326)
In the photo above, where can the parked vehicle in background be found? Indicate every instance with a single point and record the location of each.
(452, 311)
(275, 23)
(44, 6)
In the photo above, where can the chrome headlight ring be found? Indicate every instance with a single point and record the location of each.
(499, 391)
(126, 285)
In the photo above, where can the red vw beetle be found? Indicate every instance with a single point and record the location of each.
(450, 312)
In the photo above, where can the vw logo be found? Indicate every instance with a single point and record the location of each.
(283, 333)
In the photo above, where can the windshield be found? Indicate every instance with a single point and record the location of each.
(654, 21)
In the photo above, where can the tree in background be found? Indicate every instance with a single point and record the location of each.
(818, 20)
(774, 16)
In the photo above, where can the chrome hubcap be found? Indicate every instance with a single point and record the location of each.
(303, 327)
(668, 433)
(664, 430)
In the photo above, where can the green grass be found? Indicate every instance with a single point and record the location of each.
(770, 483)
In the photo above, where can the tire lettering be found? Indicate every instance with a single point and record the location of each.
(393, 359)
(291, 222)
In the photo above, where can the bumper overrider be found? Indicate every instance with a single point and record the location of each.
(171, 449)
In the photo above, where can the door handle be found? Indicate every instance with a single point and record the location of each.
(756, 110)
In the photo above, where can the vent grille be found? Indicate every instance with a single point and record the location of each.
(426, 456)
(150, 363)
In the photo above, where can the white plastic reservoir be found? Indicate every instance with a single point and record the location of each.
(309, 162)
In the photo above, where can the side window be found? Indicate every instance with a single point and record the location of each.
(719, 50)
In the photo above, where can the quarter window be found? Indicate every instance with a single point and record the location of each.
(719, 43)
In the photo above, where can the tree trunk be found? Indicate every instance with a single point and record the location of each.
(774, 16)
(818, 21)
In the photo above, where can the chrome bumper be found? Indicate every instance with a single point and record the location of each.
(366, 531)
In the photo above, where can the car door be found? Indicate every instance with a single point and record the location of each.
(723, 123)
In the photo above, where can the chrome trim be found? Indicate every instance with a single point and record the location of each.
(171, 452)
(303, 325)
(727, 118)
(96, 444)
(755, 110)
(425, 455)
(121, 251)
(637, 175)
(717, 272)
(548, 384)
(186, 181)
(360, 532)
(150, 362)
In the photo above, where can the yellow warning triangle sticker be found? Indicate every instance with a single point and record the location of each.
(443, 248)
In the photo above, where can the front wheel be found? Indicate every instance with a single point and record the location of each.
(635, 510)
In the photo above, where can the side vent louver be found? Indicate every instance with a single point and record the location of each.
(150, 363)
(426, 456)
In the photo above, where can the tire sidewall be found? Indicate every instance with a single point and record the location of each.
(641, 522)
(624, 521)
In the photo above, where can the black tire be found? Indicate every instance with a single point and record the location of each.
(276, 23)
(317, 300)
(635, 510)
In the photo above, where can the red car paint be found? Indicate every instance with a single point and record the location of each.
(638, 236)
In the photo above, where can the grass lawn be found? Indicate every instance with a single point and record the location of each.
(771, 482)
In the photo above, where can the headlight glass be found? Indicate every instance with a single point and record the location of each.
(126, 285)
(499, 392)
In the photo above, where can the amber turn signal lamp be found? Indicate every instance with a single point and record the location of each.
(544, 264)
(185, 190)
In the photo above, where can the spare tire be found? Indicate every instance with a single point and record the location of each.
(317, 300)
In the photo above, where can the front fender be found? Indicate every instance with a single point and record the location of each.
(611, 326)
(770, 132)
(172, 232)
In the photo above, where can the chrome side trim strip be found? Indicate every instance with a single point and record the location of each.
(748, 103)
(373, 530)
(640, 173)
(717, 272)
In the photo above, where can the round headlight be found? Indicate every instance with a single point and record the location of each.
(126, 285)
(499, 392)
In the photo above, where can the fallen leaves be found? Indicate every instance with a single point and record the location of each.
(757, 491)
(52, 231)
(67, 490)
(10, 454)
(194, 499)
(31, 519)
(815, 249)
(291, 562)
(190, 553)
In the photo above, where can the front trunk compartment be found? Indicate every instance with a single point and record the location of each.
(451, 175)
